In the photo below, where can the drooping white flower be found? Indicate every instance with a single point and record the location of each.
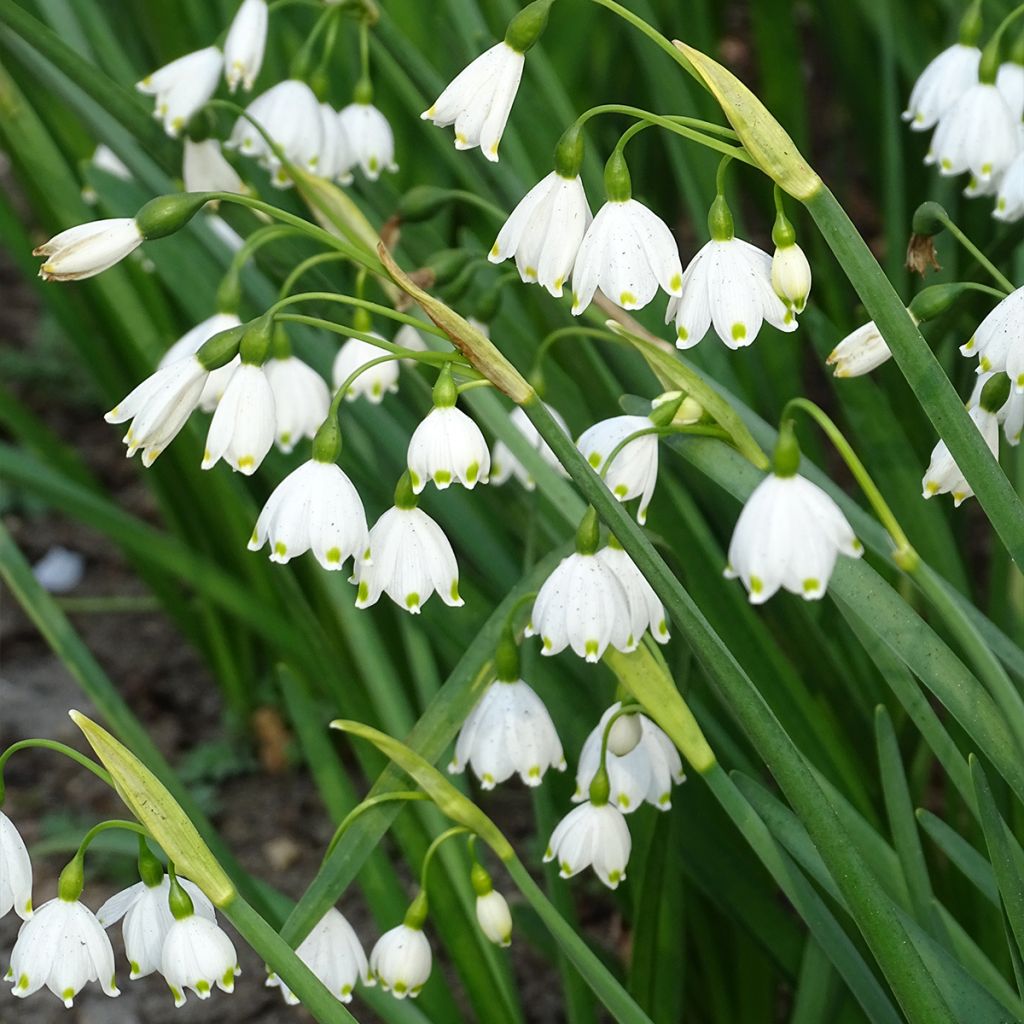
(401, 961)
(245, 43)
(509, 731)
(789, 535)
(941, 84)
(88, 249)
(332, 951)
(791, 276)
(374, 383)
(15, 871)
(183, 86)
(1011, 414)
(943, 475)
(197, 954)
(147, 920)
(63, 947)
(1010, 197)
(628, 252)
(159, 407)
(582, 605)
(999, 340)
(204, 169)
(860, 352)
(412, 558)
(591, 835)
(371, 143)
(494, 918)
(301, 399)
(728, 285)
(408, 337)
(646, 771)
(315, 508)
(545, 231)
(646, 612)
(1010, 82)
(447, 447)
(243, 425)
(977, 134)
(479, 99)
(336, 158)
(505, 465)
(633, 473)
(190, 343)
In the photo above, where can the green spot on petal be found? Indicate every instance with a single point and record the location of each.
(591, 647)
(676, 283)
(811, 584)
(739, 332)
(472, 472)
(756, 584)
(627, 299)
(594, 458)
(334, 556)
(615, 877)
(442, 478)
(280, 548)
(412, 600)
(202, 986)
(363, 591)
(454, 592)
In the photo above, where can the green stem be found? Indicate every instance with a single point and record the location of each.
(930, 384)
(106, 826)
(357, 303)
(954, 229)
(451, 833)
(307, 264)
(61, 748)
(373, 801)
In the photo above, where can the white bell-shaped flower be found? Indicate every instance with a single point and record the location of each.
(15, 871)
(943, 475)
(545, 231)
(243, 425)
(190, 343)
(88, 249)
(332, 951)
(791, 276)
(646, 771)
(245, 43)
(336, 159)
(371, 143)
(859, 352)
(1010, 414)
(633, 472)
(374, 383)
(789, 535)
(479, 99)
(301, 399)
(1009, 206)
(204, 169)
(315, 508)
(591, 835)
(183, 86)
(63, 947)
(401, 961)
(999, 340)
(411, 559)
(159, 407)
(508, 732)
(977, 134)
(505, 465)
(494, 918)
(1010, 82)
(197, 955)
(408, 337)
(646, 612)
(941, 84)
(147, 920)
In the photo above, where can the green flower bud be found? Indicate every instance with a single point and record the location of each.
(506, 658)
(618, 186)
(221, 348)
(416, 915)
(786, 458)
(255, 345)
(528, 25)
(588, 535)
(995, 393)
(569, 152)
(445, 392)
(720, 222)
(166, 214)
(72, 880)
(151, 871)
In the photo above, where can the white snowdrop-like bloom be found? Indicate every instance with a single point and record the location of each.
(401, 961)
(943, 476)
(190, 343)
(63, 947)
(15, 871)
(107, 160)
(479, 100)
(332, 951)
(977, 134)
(628, 252)
(1010, 82)
(370, 139)
(999, 340)
(545, 231)
(408, 337)
(1011, 414)
(204, 169)
(494, 918)
(147, 920)
(243, 425)
(159, 407)
(183, 86)
(646, 612)
(88, 249)
(376, 382)
(591, 835)
(633, 473)
(582, 605)
(508, 732)
(336, 158)
(197, 955)
(245, 43)
(448, 447)
(505, 465)
(1010, 197)
(941, 84)
(289, 112)
(411, 559)
(791, 276)
(315, 508)
(728, 285)
(301, 399)
(860, 352)
(789, 535)
(644, 772)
